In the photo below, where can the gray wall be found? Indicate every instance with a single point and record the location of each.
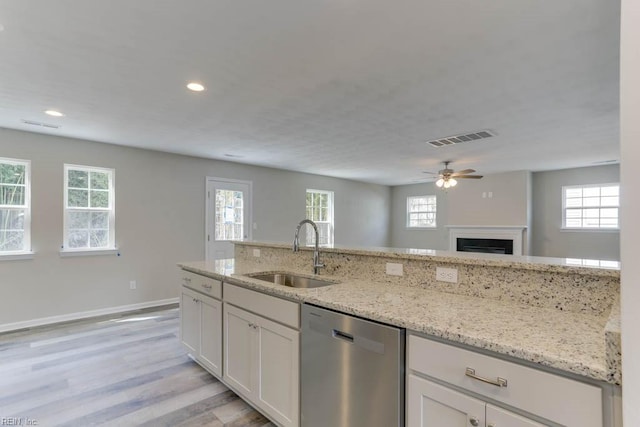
(630, 209)
(548, 237)
(160, 207)
(508, 205)
(519, 198)
(463, 205)
(401, 237)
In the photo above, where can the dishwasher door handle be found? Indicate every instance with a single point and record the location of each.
(342, 335)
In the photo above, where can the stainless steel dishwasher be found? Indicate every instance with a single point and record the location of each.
(352, 371)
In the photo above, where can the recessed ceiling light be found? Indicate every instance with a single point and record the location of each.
(54, 113)
(196, 87)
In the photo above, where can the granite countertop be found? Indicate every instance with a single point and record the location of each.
(571, 342)
(533, 263)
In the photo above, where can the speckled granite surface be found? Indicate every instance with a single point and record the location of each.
(565, 288)
(568, 265)
(569, 341)
(614, 343)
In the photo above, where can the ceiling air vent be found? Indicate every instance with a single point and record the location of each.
(44, 125)
(457, 139)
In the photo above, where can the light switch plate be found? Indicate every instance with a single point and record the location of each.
(444, 274)
(394, 269)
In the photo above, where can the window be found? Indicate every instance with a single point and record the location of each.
(320, 211)
(591, 206)
(421, 212)
(15, 206)
(229, 215)
(89, 208)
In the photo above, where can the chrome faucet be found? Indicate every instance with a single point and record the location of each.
(316, 253)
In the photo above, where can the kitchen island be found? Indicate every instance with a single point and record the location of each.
(545, 313)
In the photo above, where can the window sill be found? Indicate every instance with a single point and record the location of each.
(17, 256)
(88, 252)
(591, 230)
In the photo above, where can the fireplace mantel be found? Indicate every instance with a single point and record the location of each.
(508, 232)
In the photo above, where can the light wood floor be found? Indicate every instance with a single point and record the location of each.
(128, 370)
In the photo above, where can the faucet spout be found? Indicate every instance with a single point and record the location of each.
(317, 265)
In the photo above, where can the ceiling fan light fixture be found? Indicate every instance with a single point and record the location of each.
(440, 182)
(453, 182)
(446, 184)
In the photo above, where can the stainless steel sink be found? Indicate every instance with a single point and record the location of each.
(292, 280)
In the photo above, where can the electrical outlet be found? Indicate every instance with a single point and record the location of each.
(256, 253)
(394, 269)
(132, 284)
(447, 274)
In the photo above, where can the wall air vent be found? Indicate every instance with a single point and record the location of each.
(465, 137)
(44, 125)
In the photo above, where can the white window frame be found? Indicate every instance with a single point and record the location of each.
(409, 212)
(588, 229)
(25, 252)
(111, 247)
(310, 236)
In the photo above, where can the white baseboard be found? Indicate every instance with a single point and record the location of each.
(85, 314)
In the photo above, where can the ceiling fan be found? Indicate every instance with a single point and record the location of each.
(447, 177)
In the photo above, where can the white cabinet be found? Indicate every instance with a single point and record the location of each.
(189, 321)
(210, 354)
(240, 338)
(498, 417)
(541, 394)
(261, 360)
(201, 329)
(278, 355)
(261, 342)
(432, 405)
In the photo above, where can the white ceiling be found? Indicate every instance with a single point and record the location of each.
(345, 88)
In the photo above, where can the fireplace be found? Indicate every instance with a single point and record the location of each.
(489, 239)
(489, 246)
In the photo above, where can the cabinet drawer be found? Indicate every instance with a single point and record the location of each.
(275, 308)
(203, 284)
(550, 396)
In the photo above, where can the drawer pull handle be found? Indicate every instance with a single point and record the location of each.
(474, 421)
(499, 382)
(204, 285)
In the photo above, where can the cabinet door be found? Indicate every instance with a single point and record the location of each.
(190, 321)
(211, 334)
(498, 417)
(240, 331)
(278, 353)
(432, 405)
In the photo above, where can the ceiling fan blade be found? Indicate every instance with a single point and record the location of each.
(469, 176)
(464, 172)
(430, 173)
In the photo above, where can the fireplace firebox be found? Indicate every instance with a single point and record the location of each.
(491, 246)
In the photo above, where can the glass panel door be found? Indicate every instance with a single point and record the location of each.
(228, 216)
